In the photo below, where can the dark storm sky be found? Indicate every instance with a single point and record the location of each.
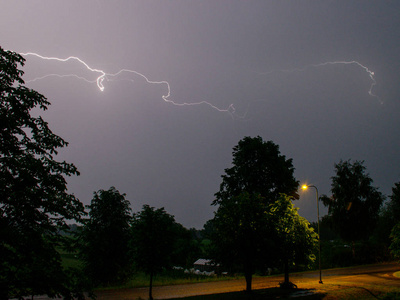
(259, 56)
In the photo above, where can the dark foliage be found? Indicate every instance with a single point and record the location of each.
(389, 216)
(355, 203)
(154, 240)
(258, 168)
(105, 238)
(394, 205)
(395, 245)
(34, 203)
(325, 227)
(186, 247)
(244, 237)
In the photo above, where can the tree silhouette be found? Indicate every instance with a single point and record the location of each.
(388, 217)
(243, 235)
(153, 241)
(393, 207)
(105, 238)
(395, 245)
(354, 205)
(34, 203)
(258, 168)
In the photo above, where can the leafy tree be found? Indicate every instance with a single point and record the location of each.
(241, 235)
(391, 212)
(394, 204)
(206, 236)
(388, 218)
(105, 238)
(296, 242)
(34, 203)
(325, 225)
(258, 168)
(250, 235)
(395, 245)
(186, 248)
(208, 228)
(354, 206)
(257, 178)
(153, 240)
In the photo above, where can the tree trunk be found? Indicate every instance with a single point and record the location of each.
(248, 266)
(286, 271)
(353, 249)
(248, 277)
(151, 286)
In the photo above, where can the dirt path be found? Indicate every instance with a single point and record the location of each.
(368, 280)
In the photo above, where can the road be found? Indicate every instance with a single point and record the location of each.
(365, 279)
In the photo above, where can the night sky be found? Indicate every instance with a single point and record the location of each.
(298, 73)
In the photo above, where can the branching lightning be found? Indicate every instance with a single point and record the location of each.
(99, 80)
(61, 76)
(103, 75)
(370, 73)
(353, 62)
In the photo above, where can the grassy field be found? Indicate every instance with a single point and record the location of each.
(139, 279)
(70, 261)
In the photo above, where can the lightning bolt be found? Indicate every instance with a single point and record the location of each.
(370, 73)
(99, 80)
(352, 62)
(103, 75)
(61, 76)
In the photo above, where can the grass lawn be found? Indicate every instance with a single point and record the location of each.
(140, 279)
(69, 260)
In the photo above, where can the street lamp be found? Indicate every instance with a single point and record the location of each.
(304, 187)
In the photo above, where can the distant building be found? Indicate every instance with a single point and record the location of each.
(205, 265)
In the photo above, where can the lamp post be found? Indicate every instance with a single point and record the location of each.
(304, 187)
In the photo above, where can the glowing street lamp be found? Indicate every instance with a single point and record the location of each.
(304, 187)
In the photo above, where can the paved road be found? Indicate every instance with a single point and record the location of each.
(367, 279)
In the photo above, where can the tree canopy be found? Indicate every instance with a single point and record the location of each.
(105, 238)
(295, 241)
(250, 235)
(391, 215)
(395, 245)
(394, 204)
(242, 236)
(354, 205)
(154, 237)
(388, 216)
(34, 202)
(258, 168)
(244, 233)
